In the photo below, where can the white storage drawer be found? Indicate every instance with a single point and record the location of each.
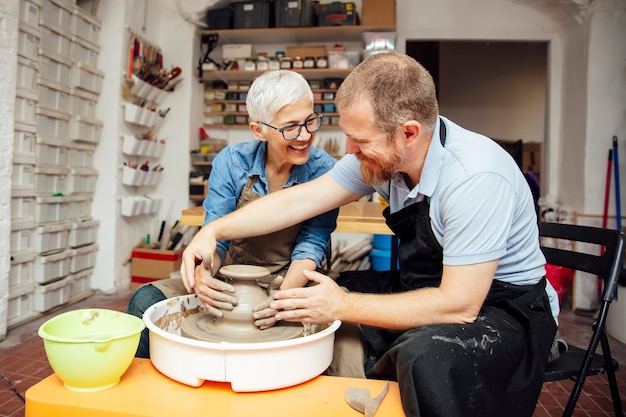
(24, 139)
(23, 173)
(52, 152)
(58, 12)
(27, 41)
(81, 180)
(79, 206)
(22, 235)
(86, 130)
(30, 11)
(87, 78)
(50, 180)
(26, 106)
(22, 205)
(21, 306)
(27, 70)
(53, 96)
(85, 25)
(51, 267)
(22, 268)
(85, 52)
(81, 283)
(53, 124)
(83, 233)
(83, 258)
(54, 67)
(83, 103)
(80, 155)
(51, 209)
(53, 294)
(51, 238)
(54, 38)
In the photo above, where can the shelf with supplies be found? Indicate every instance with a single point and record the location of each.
(296, 35)
(243, 75)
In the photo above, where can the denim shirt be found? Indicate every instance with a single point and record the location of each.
(230, 171)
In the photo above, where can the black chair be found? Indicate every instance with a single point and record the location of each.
(576, 363)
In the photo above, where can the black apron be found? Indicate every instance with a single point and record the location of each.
(490, 368)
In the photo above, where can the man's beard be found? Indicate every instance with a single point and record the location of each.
(375, 171)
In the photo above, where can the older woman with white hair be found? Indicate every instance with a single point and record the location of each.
(282, 117)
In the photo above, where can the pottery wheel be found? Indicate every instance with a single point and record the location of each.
(205, 326)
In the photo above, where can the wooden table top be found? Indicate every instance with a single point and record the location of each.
(356, 217)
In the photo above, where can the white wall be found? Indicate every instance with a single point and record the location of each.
(8, 68)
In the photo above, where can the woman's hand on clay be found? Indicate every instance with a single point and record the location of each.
(216, 295)
(263, 314)
(200, 250)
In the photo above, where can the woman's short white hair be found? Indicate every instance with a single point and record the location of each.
(272, 91)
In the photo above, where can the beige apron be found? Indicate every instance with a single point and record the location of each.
(272, 251)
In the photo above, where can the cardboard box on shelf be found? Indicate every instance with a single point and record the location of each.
(232, 52)
(148, 265)
(378, 13)
(304, 51)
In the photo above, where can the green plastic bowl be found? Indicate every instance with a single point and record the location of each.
(90, 349)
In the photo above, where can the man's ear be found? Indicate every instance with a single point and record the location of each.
(257, 129)
(411, 130)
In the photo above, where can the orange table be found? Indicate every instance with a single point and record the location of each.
(144, 391)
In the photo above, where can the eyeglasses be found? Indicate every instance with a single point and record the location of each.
(292, 132)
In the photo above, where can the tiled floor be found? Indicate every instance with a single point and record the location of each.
(23, 363)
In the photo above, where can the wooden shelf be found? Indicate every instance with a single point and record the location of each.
(241, 75)
(296, 35)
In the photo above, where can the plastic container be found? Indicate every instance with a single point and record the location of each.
(28, 39)
(51, 238)
(50, 180)
(24, 139)
(22, 268)
(21, 305)
(83, 103)
(79, 206)
(81, 283)
(23, 175)
(55, 39)
(50, 209)
(221, 18)
(52, 267)
(52, 294)
(90, 349)
(57, 12)
(51, 152)
(87, 78)
(54, 67)
(83, 257)
(85, 129)
(253, 14)
(80, 155)
(22, 204)
(22, 235)
(30, 11)
(53, 124)
(83, 233)
(380, 259)
(53, 95)
(27, 70)
(85, 25)
(84, 52)
(26, 106)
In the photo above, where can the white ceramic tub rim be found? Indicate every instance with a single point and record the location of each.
(147, 319)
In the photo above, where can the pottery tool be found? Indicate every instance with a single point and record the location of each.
(618, 210)
(605, 215)
(359, 399)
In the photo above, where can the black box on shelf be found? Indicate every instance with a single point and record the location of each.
(294, 13)
(221, 18)
(338, 14)
(253, 14)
